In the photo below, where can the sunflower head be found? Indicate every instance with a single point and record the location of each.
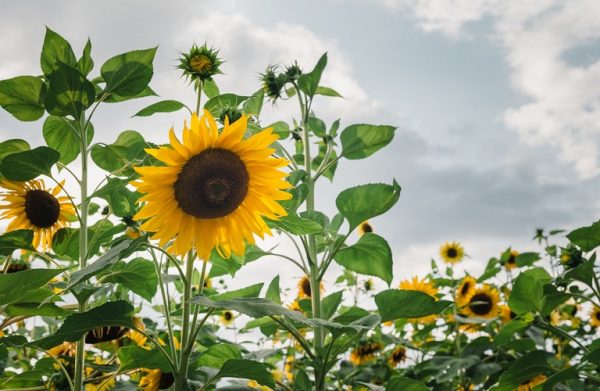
(397, 356)
(230, 114)
(465, 291)
(304, 288)
(273, 82)
(452, 252)
(30, 205)
(595, 316)
(364, 228)
(214, 190)
(365, 352)
(64, 349)
(293, 72)
(532, 383)
(105, 334)
(571, 256)
(227, 318)
(509, 259)
(155, 380)
(201, 63)
(483, 303)
(506, 314)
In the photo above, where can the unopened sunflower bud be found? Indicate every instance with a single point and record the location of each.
(201, 63)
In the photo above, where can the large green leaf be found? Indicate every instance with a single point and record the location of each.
(164, 106)
(361, 203)
(26, 280)
(23, 97)
(20, 239)
(371, 255)
(246, 369)
(527, 294)
(395, 304)
(216, 355)
(398, 383)
(115, 313)
(138, 275)
(309, 82)
(128, 74)
(27, 165)
(134, 357)
(217, 105)
(523, 369)
(54, 50)
(588, 238)
(121, 200)
(107, 259)
(113, 157)
(35, 309)
(249, 291)
(295, 224)
(584, 272)
(70, 93)
(59, 135)
(362, 140)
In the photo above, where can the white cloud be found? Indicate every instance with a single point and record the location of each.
(564, 107)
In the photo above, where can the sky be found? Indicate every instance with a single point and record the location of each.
(497, 114)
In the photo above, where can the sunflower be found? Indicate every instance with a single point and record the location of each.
(452, 252)
(288, 368)
(214, 190)
(511, 261)
(595, 316)
(531, 383)
(295, 306)
(200, 63)
(398, 355)
(465, 291)
(422, 286)
(368, 285)
(64, 349)
(105, 334)
(156, 380)
(365, 352)
(506, 313)
(32, 206)
(483, 303)
(227, 318)
(207, 284)
(102, 384)
(277, 376)
(365, 228)
(134, 335)
(304, 288)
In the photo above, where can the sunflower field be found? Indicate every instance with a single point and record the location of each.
(121, 284)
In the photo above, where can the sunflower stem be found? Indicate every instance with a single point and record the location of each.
(199, 99)
(180, 379)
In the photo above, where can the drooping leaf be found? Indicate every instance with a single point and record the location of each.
(295, 224)
(26, 280)
(20, 239)
(398, 383)
(588, 238)
(371, 256)
(583, 273)
(246, 369)
(361, 203)
(107, 259)
(113, 157)
(23, 97)
(27, 165)
(133, 357)
(395, 304)
(249, 291)
(362, 140)
(164, 106)
(326, 91)
(527, 294)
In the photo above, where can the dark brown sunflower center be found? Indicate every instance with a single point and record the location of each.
(105, 334)
(451, 252)
(465, 288)
(228, 315)
(597, 315)
(367, 228)
(166, 380)
(399, 355)
(480, 304)
(306, 287)
(511, 259)
(41, 208)
(212, 184)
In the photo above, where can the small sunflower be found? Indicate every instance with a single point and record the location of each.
(288, 368)
(365, 228)
(156, 380)
(214, 190)
(506, 313)
(422, 286)
(365, 352)
(452, 252)
(200, 63)
(368, 285)
(207, 283)
(531, 383)
(465, 291)
(32, 206)
(595, 316)
(227, 318)
(64, 349)
(511, 260)
(398, 355)
(483, 303)
(134, 335)
(304, 288)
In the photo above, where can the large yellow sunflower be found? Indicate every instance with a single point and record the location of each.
(465, 291)
(365, 352)
(32, 206)
(452, 252)
(483, 303)
(214, 189)
(422, 286)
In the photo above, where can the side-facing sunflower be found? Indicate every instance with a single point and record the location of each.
(155, 380)
(595, 316)
(102, 383)
(506, 314)
(30, 205)
(398, 355)
(365, 352)
(214, 189)
(227, 318)
(304, 288)
(483, 303)
(452, 252)
(424, 286)
(465, 291)
(511, 260)
(364, 228)
(531, 383)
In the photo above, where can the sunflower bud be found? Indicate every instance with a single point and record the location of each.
(293, 72)
(232, 113)
(201, 63)
(273, 83)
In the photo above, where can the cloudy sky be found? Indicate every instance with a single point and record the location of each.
(497, 103)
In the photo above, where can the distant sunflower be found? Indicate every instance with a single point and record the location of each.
(483, 303)
(227, 318)
(511, 261)
(365, 228)
(156, 380)
(422, 286)
(214, 190)
(32, 206)
(105, 334)
(531, 383)
(595, 316)
(465, 291)
(452, 252)
(64, 349)
(506, 314)
(368, 284)
(304, 288)
(398, 355)
(365, 352)
(137, 337)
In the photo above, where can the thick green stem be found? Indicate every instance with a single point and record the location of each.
(80, 355)
(180, 379)
(199, 98)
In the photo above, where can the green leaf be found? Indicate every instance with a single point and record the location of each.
(508, 330)
(35, 309)
(218, 104)
(26, 281)
(134, 357)
(362, 140)
(560, 377)
(317, 126)
(85, 64)
(115, 156)
(107, 259)
(138, 275)
(70, 93)
(584, 273)
(398, 383)
(395, 304)
(116, 98)
(295, 224)
(23, 97)
(11, 146)
(371, 255)
(27, 165)
(60, 136)
(20, 239)
(273, 292)
(527, 294)
(280, 128)
(121, 200)
(326, 91)
(164, 106)
(249, 291)
(309, 82)
(361, 203)
(116, 313)
(210, 89)
(523, 369)
(216, 355)
(302, 381)
(526, 259)
(246, 369)
(331, 303)
(253, 105)
(128, 74)
(54, 50)
(588, 238)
